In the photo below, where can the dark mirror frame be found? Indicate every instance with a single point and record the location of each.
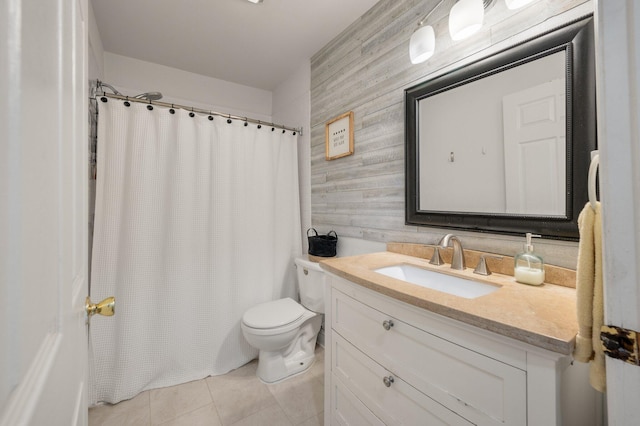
(577, 40)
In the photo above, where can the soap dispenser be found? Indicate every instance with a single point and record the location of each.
(529, 267)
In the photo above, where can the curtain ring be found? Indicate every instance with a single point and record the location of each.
(259, 125)
(126, 102)
(191, 114)
(171, 110)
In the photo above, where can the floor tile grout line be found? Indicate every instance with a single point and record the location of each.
(189, 412)
(311, 378)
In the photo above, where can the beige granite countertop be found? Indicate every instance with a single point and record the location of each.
(543, 316)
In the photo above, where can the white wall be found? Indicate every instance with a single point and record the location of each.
(133, 76)
(96, 51)
(291, 106)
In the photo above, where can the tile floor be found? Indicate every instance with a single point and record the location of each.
(237, 398)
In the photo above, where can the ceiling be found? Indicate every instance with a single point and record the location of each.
(258, 45)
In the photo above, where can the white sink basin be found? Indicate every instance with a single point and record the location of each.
(436, 281)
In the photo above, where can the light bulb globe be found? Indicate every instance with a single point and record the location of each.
(465, 18)
(422, 44)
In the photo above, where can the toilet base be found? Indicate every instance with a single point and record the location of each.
(275, 366)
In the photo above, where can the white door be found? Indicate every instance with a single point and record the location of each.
(43, 212)
(534, 149)
(618, 85)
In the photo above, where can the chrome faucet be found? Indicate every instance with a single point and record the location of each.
(457, 260)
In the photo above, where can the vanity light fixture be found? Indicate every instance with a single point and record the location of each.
(422, 44)
(465, 18)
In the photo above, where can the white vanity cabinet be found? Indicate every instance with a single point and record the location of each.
(388, 362)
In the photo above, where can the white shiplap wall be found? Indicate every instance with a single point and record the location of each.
(366, 69)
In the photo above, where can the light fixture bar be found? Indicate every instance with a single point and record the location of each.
(423, 20)
(516, 4)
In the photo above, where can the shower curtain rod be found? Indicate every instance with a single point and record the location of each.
(201, 111)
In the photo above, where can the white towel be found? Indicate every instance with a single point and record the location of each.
(590, 295)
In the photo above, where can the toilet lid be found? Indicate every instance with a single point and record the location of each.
(273, 314)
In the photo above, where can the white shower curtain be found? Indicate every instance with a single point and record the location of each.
(197, 220)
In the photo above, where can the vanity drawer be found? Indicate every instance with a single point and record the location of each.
(348, 409)
(481, 389)
(396, 404)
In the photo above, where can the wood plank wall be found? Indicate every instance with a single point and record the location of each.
(366, 69)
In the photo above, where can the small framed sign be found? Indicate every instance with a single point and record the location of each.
(339, 136)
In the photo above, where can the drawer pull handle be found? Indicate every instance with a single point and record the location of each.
(387, 324)
(387, 380)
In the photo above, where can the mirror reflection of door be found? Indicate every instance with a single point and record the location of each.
(465, 163)
(534, 149)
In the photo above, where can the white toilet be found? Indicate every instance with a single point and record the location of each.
(285, 331)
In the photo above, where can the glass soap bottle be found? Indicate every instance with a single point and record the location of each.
(529, 267)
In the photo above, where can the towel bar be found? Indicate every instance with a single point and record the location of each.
(593, 170)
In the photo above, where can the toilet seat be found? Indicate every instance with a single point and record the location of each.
(277, 316)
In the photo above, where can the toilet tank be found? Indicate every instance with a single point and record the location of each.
(311, 283)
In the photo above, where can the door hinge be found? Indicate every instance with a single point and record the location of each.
(620, 343)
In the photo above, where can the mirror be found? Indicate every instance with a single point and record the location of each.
(503, 144)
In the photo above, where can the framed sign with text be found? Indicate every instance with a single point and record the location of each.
(339, 136)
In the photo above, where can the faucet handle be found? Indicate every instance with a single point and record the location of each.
(436, 259)
(482, 268)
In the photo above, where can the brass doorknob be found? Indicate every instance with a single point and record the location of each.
(107, 307)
